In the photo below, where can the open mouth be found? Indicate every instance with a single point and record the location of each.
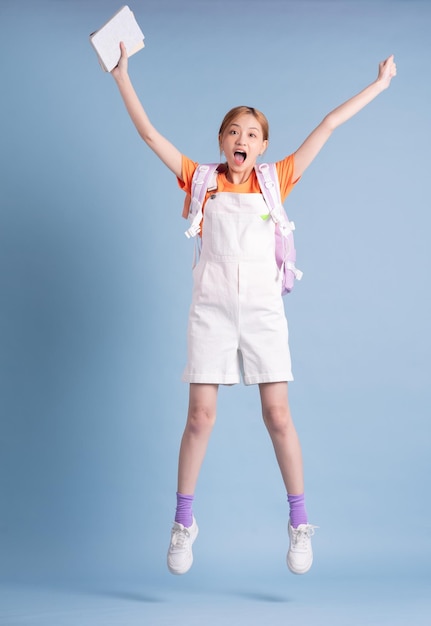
(239, 157)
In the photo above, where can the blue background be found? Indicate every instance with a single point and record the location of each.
(95, 289)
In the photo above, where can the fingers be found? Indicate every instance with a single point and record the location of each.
(391, 66)
(388, 68)
(121, 66)
(389, 62)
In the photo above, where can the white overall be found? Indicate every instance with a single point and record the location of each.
(237, 322)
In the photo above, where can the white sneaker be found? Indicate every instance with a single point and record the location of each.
(180, 555)
(300, 554)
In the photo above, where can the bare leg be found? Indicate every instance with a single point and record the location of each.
(200, 421)
(278, 420)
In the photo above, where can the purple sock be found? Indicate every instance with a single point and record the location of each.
(184, 512)
(298, 514)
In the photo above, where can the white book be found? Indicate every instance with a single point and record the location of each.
(106, 41)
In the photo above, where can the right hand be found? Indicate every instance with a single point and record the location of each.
(120, 70)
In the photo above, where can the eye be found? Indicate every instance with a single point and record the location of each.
(253, 135)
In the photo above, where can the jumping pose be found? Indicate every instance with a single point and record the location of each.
(237, 325)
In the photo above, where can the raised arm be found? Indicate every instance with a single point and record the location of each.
(166, 151)
(320, 135)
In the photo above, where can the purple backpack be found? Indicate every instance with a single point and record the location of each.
(205, 179)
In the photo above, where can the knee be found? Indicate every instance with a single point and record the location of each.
(200, 420)
(277, 419)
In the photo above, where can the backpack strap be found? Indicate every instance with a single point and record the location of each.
(285, 254)
(270, 188)
(204, 179)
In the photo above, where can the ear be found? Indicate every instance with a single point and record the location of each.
(264, 147)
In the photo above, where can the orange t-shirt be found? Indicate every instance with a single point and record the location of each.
(285, 170)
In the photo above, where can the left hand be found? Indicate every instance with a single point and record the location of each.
(387, 70)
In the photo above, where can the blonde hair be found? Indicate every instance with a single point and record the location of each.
(241, 110)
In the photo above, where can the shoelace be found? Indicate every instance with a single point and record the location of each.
(301, 535)
(180, 538)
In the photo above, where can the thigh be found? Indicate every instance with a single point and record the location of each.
(203, 397)
(274, 395)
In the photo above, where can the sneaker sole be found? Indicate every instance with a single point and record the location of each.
(297, 571)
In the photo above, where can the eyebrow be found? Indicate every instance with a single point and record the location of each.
(249, 128)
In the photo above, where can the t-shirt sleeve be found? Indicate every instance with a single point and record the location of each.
(285, 171)
(188, 169)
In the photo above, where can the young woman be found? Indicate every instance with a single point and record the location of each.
(237, 323)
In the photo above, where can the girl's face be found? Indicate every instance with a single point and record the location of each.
(242, 142)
